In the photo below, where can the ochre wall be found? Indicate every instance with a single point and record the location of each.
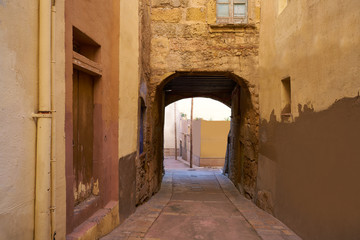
(214, 138)
(129, 77)
(18, 100)
(196, 135)
(318, 49)
(308, 168)
(128, 105)
(99, 21)
(209, 142)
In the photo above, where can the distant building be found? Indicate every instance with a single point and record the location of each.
(169, 130)
(209, 142)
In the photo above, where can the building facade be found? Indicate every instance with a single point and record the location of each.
(171, 130)
(309, 108)
(210, 139)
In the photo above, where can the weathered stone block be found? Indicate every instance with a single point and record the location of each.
(196, 14)
(175, 3)
(166, 15)
(161, 44)
(164, 3)
(159, 3)
(265, 202)
(195, 30)
(163, 29)
(197, 3)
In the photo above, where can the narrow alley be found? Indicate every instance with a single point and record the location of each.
(87, 88)
(199, 203)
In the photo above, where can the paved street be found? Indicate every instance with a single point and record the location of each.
(199, 203)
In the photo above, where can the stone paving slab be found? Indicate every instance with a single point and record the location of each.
(199, 196)
(196, 208)
(185, 227)
(267, 226)
(199, 204)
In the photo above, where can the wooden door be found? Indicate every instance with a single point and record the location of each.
(83, 121)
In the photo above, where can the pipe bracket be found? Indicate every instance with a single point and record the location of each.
(42, 115)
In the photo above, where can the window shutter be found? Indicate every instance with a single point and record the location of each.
(223, 8)
(240, 11)
(231, 11)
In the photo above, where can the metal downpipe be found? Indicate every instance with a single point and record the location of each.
(53, 129)
(43, 146)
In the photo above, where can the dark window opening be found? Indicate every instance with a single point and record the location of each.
(286, 99)
(142, 126)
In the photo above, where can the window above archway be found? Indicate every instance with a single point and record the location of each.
(231, 11)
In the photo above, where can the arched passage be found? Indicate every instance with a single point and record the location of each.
(210, 128)
(225, 87)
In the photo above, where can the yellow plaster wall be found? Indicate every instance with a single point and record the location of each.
(214, 138)
(307, 169)
(318, 49)
(129, 77)
(18, 100)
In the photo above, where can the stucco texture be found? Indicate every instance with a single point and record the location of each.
(169, 128)
(129, 77)
(18, 100)
(214, 138)
(209, 142)
(308, 165)
(97, 26)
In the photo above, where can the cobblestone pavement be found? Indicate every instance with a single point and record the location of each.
(199, 203)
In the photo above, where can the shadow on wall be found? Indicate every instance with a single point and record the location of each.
(309, 170)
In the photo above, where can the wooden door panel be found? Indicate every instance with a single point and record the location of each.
(83, 110)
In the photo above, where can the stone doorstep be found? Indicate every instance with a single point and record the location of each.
(99, 224)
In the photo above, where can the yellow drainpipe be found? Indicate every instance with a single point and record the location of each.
(53, 129)
(43, 146)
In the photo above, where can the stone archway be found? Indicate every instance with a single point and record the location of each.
(225, 87)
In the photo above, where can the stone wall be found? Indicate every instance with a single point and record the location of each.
(168, 152)
(142, 184)
(243, 145)
(185, 38)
